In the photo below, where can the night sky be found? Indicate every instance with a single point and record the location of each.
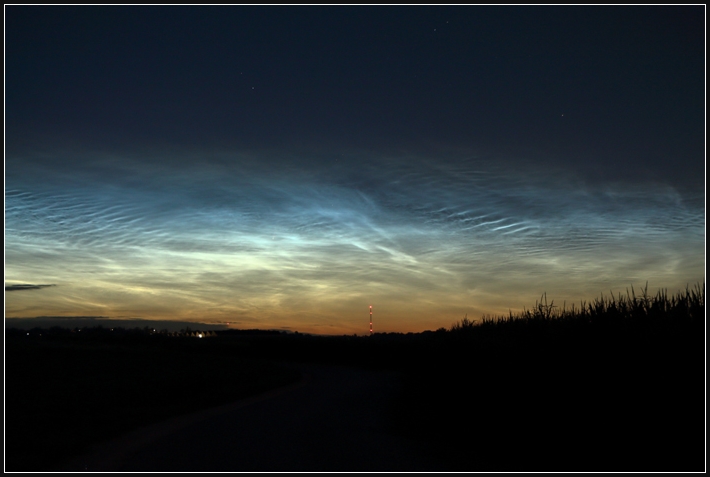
(286, 167)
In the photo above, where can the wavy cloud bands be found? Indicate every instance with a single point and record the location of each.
(309, 244)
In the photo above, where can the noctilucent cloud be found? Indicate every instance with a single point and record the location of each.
(265, 243)
(256, 229)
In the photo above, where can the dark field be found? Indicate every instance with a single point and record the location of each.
(618, 385)
(71, 390)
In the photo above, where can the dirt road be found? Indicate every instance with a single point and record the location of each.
(334, 420)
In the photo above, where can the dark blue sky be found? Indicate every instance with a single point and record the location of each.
(344, 124)
(628, 80)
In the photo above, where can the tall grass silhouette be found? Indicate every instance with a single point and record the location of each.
(685, 306)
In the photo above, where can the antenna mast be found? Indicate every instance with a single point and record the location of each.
(370, 320)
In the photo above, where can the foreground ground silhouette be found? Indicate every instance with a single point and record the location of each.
(620, 388)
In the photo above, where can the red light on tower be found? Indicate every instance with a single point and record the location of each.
(370, 320)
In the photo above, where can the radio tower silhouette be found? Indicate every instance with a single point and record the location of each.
(370, 320)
